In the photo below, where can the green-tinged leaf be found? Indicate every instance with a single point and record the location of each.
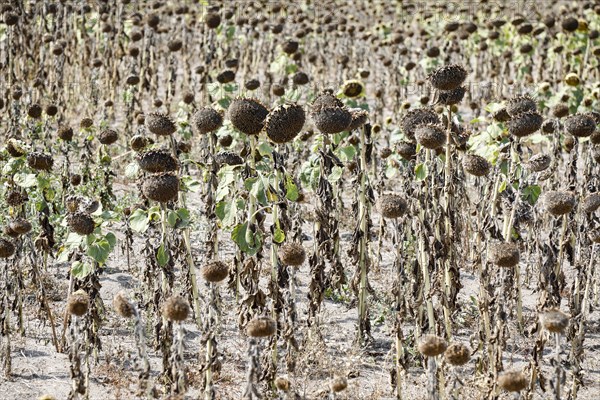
(291, 190)
(265, 149)
(132, 170)
(347, 153)
(73, 240)
(12, 166)
(256, 186)
(111, 239)
(226, 211)
(139, 221)
(421, 171)
(80, 270)
(162, 256)
(224, 102)
(42, 182)
(226, 178)
(172, 218)
(183, 216)
(191, 184)
(336, 174)
(278, 236)
(291, 68)
(238, 235)
(532, 193)
(502, 187)
(99, 251)
(25, 180)
(214, 89)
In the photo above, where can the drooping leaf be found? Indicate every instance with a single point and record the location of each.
(80, 270)
(139, 221)
(291, 190)
(421, 172)
(162, 256)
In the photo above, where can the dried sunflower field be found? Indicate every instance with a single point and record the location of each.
(299, 199)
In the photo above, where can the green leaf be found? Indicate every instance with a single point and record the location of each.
(191, 184)
(421, 171)
(99, 251)
(73, 240)
(278, 236)
(347, 153)
(257, 188)
(12, 166)
(111, 239)
(183, 216)
(139, 221)
(238, 235)
(172, 218)
(226, 211)
(226, 178)
(162, 256)
(336, 174)
(265, 149)
(532, 193)
(25, 180)
(502, 187)
(80, 270)
(291, 190)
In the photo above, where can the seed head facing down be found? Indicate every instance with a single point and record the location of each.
(282, 383)
(292, 254)
(406, 150)
(176, 308)
(555, 321)
(138, 142)
(206, 120)
(65, 133)
(457, 354)
(415, 118)
(325, 99)
(539, 162)
(331, 120)
(432, 345)
(160, 124)
(512, 381)
(154, 161)
(228, 158)
(7, 249)
(525, 124)
(261, 327)
(162, 187)
(559, 202)
(431, 136)
(40, 161)
(215, 271)
(81, 223)
(452, 97)
(591, 203)
(123, 306)
(448, 77)
(392, 206)
(108, 136)
(359, 118)
(580, 125)
(20, 226)
(285, 122)
(247, 115)
(505, 255)
(476, 165)
(501, 115)
(338, 384)
(520, 104)
(78, 303)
